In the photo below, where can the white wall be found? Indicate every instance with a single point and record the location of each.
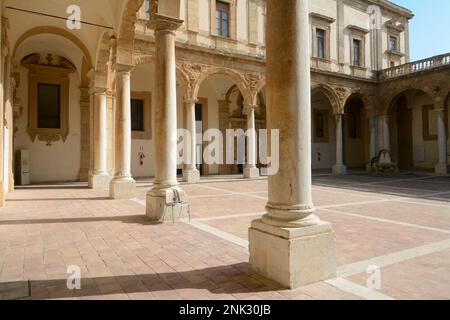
(61, 160)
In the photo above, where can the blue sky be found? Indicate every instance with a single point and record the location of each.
(430, 28)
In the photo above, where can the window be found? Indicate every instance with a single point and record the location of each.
(141, 115)
(392, 64)
(137, 115)
(393, 43)
(48, 97)
(357, 52)
(222, 19)
(320, 126)
(320, 29)
(320, 37)
(49, 106)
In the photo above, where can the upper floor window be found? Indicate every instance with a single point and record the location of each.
(393, 43)
(222, 19)
(357, 52)
(320, 38)
(321, 29)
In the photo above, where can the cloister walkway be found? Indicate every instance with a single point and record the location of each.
(399, 223)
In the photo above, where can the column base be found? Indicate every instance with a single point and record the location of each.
(191, 176)
(99, 181)
(339, 170)
(167, 205)
(251, 173)
(122, 188)
(293, 257)
(441, 169)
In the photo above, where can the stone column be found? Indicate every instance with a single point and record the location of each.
(190, 172)
(123, 185)
(290, 244)
(373, 141)
(166, 189)
(442, 167)
(99, 177)
(85, 123)
(339, 168)
(386, 141)
(251, 171)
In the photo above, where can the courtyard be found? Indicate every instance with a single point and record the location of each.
(395, 228)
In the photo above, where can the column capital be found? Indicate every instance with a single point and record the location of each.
(122, 68)
(248, 108)
(97, 91)
(164, 23)
(190, 101)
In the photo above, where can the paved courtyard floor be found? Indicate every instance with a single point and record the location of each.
(399, 224)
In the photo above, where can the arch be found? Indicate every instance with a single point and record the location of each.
(102, 66)
(389, 101)
(331, 94)
(56, 31)
(235, 76)
(182, 78)
(358, 94)
(128, 20)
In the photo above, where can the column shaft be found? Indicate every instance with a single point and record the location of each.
(190, 172)
(98, 177)
(123, 185)
(373, 142)
(386, 133)
(339, 168)
(251, 171)
(442, 166)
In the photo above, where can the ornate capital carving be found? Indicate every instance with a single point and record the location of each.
(161, 23)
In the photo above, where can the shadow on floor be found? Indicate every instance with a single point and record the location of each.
(400, 185)
(131, 219)
(233, 279)
(58, 199)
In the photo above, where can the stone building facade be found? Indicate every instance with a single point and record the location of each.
(366, 94)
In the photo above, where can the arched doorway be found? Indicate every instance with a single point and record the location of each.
(53, 92)
(413, 130)
(356, 139)
(323, 129)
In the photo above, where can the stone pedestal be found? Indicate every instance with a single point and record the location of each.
(99, 181)
(441, 169)
(160, 204)
(293, 257)
(339, 169)
(122, 188)
(191, 176)
(251, 173)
